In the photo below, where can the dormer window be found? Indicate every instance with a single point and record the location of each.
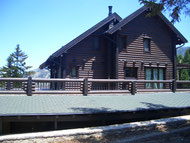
(146, 44)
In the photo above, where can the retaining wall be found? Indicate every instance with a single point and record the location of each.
(130, 132)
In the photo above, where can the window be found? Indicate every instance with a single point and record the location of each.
(74, 72)
(146, 44)
(123, 41)
(96, 43)
(154, 74)
(131, 72)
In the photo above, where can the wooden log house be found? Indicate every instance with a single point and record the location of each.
(136, 47)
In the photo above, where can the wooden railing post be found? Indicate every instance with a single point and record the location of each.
(85, 86)
(29, 86)
(174, 85)
(133, 87)
(8, 85)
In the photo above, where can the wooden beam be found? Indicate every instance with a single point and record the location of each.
(117, 55)
(174, 86)
(1, 127)
(55, 124)
(29, 86)
(85, 86)
(133, 88)
(58, 92)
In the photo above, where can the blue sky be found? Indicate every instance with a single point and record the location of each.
(42, 26)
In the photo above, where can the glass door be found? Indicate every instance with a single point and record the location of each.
(148, 77)
(154, 74)
(155, 77)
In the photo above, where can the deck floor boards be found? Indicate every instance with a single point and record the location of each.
(14, 105)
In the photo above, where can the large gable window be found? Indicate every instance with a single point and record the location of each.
(146, 44)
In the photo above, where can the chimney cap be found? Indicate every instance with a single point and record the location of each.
(110, 10)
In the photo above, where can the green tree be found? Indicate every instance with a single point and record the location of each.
(179, 59)
(16, 65)
(175, 7)
(185, 74)
(186, 59)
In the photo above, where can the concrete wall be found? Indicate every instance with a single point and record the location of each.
(163, 130)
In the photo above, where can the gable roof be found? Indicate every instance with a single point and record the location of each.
(137, 13)
(127, 20)
(81, 37)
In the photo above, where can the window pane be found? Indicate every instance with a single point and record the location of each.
(155, 77)
(73, 72)
(148, 77)
(131, 72)
(161, 77)
(147, 45)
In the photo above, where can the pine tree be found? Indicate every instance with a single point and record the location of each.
(185, 73)
(175, 7)
(179, 59)
(16, 65)
(186, 59)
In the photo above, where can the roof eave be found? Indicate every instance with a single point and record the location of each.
(172, 27)
(126, 20)
(65, 48)
(138, 12)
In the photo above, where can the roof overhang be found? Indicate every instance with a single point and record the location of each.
(181, 39)
(65, 48)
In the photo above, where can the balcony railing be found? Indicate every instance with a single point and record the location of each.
(87, 86)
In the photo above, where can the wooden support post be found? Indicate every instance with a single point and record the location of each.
(85, 86)
(29, 86)
(55, 124)
(174, 85)
(1, 127)
(133, 87)
(117, 56)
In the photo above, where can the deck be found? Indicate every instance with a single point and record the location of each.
(18, 105)
(22, 113)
